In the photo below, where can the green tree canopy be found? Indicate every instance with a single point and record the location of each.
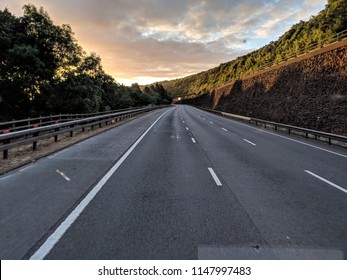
(331, 20)
(44, 71)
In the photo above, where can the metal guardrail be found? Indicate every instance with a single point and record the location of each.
(16, 125)
(276, 126)
(33, 135)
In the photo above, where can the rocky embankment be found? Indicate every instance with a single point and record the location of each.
(310, 93)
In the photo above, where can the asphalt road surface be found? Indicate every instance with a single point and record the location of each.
(179, 183)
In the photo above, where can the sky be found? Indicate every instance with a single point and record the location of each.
(145, 41)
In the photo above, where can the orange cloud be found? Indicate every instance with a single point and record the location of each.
(150, 40)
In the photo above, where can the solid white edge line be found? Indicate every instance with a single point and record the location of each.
(224, 129)
(6, 177)
(214, 176)
(249, 142)
(193, 140)
(27, 167)
(297, 141)
(59, 153)
(326, 181)
(48, 245)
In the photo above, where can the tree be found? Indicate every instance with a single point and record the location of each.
(43, 70)
(331, 20)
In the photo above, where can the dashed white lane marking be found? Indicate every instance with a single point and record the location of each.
(193, 140)
(63, 175)
(224, 129)
(214, 176)
(187, 128)
(211, 122)
(326, 181)
(48, 245)
(183, 121)
(249, 142)
(287, 138)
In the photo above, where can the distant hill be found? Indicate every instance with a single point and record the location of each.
(331, 20)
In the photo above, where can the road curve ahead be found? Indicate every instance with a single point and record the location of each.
(179, 183)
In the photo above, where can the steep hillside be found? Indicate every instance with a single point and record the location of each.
(311, 93)
(331, 20)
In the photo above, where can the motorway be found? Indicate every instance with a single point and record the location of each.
(179, 183)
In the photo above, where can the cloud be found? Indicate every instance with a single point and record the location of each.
(165, 39)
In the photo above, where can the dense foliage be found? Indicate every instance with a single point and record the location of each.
(44, 71)
(331, 20)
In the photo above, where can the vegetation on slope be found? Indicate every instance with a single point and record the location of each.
(44, 71)
(331, 20)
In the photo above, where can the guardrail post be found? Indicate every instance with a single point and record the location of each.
(56, 136)
(71, 132)
(5, 152)
(35, 142)
(288, 130)
(329, 141)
